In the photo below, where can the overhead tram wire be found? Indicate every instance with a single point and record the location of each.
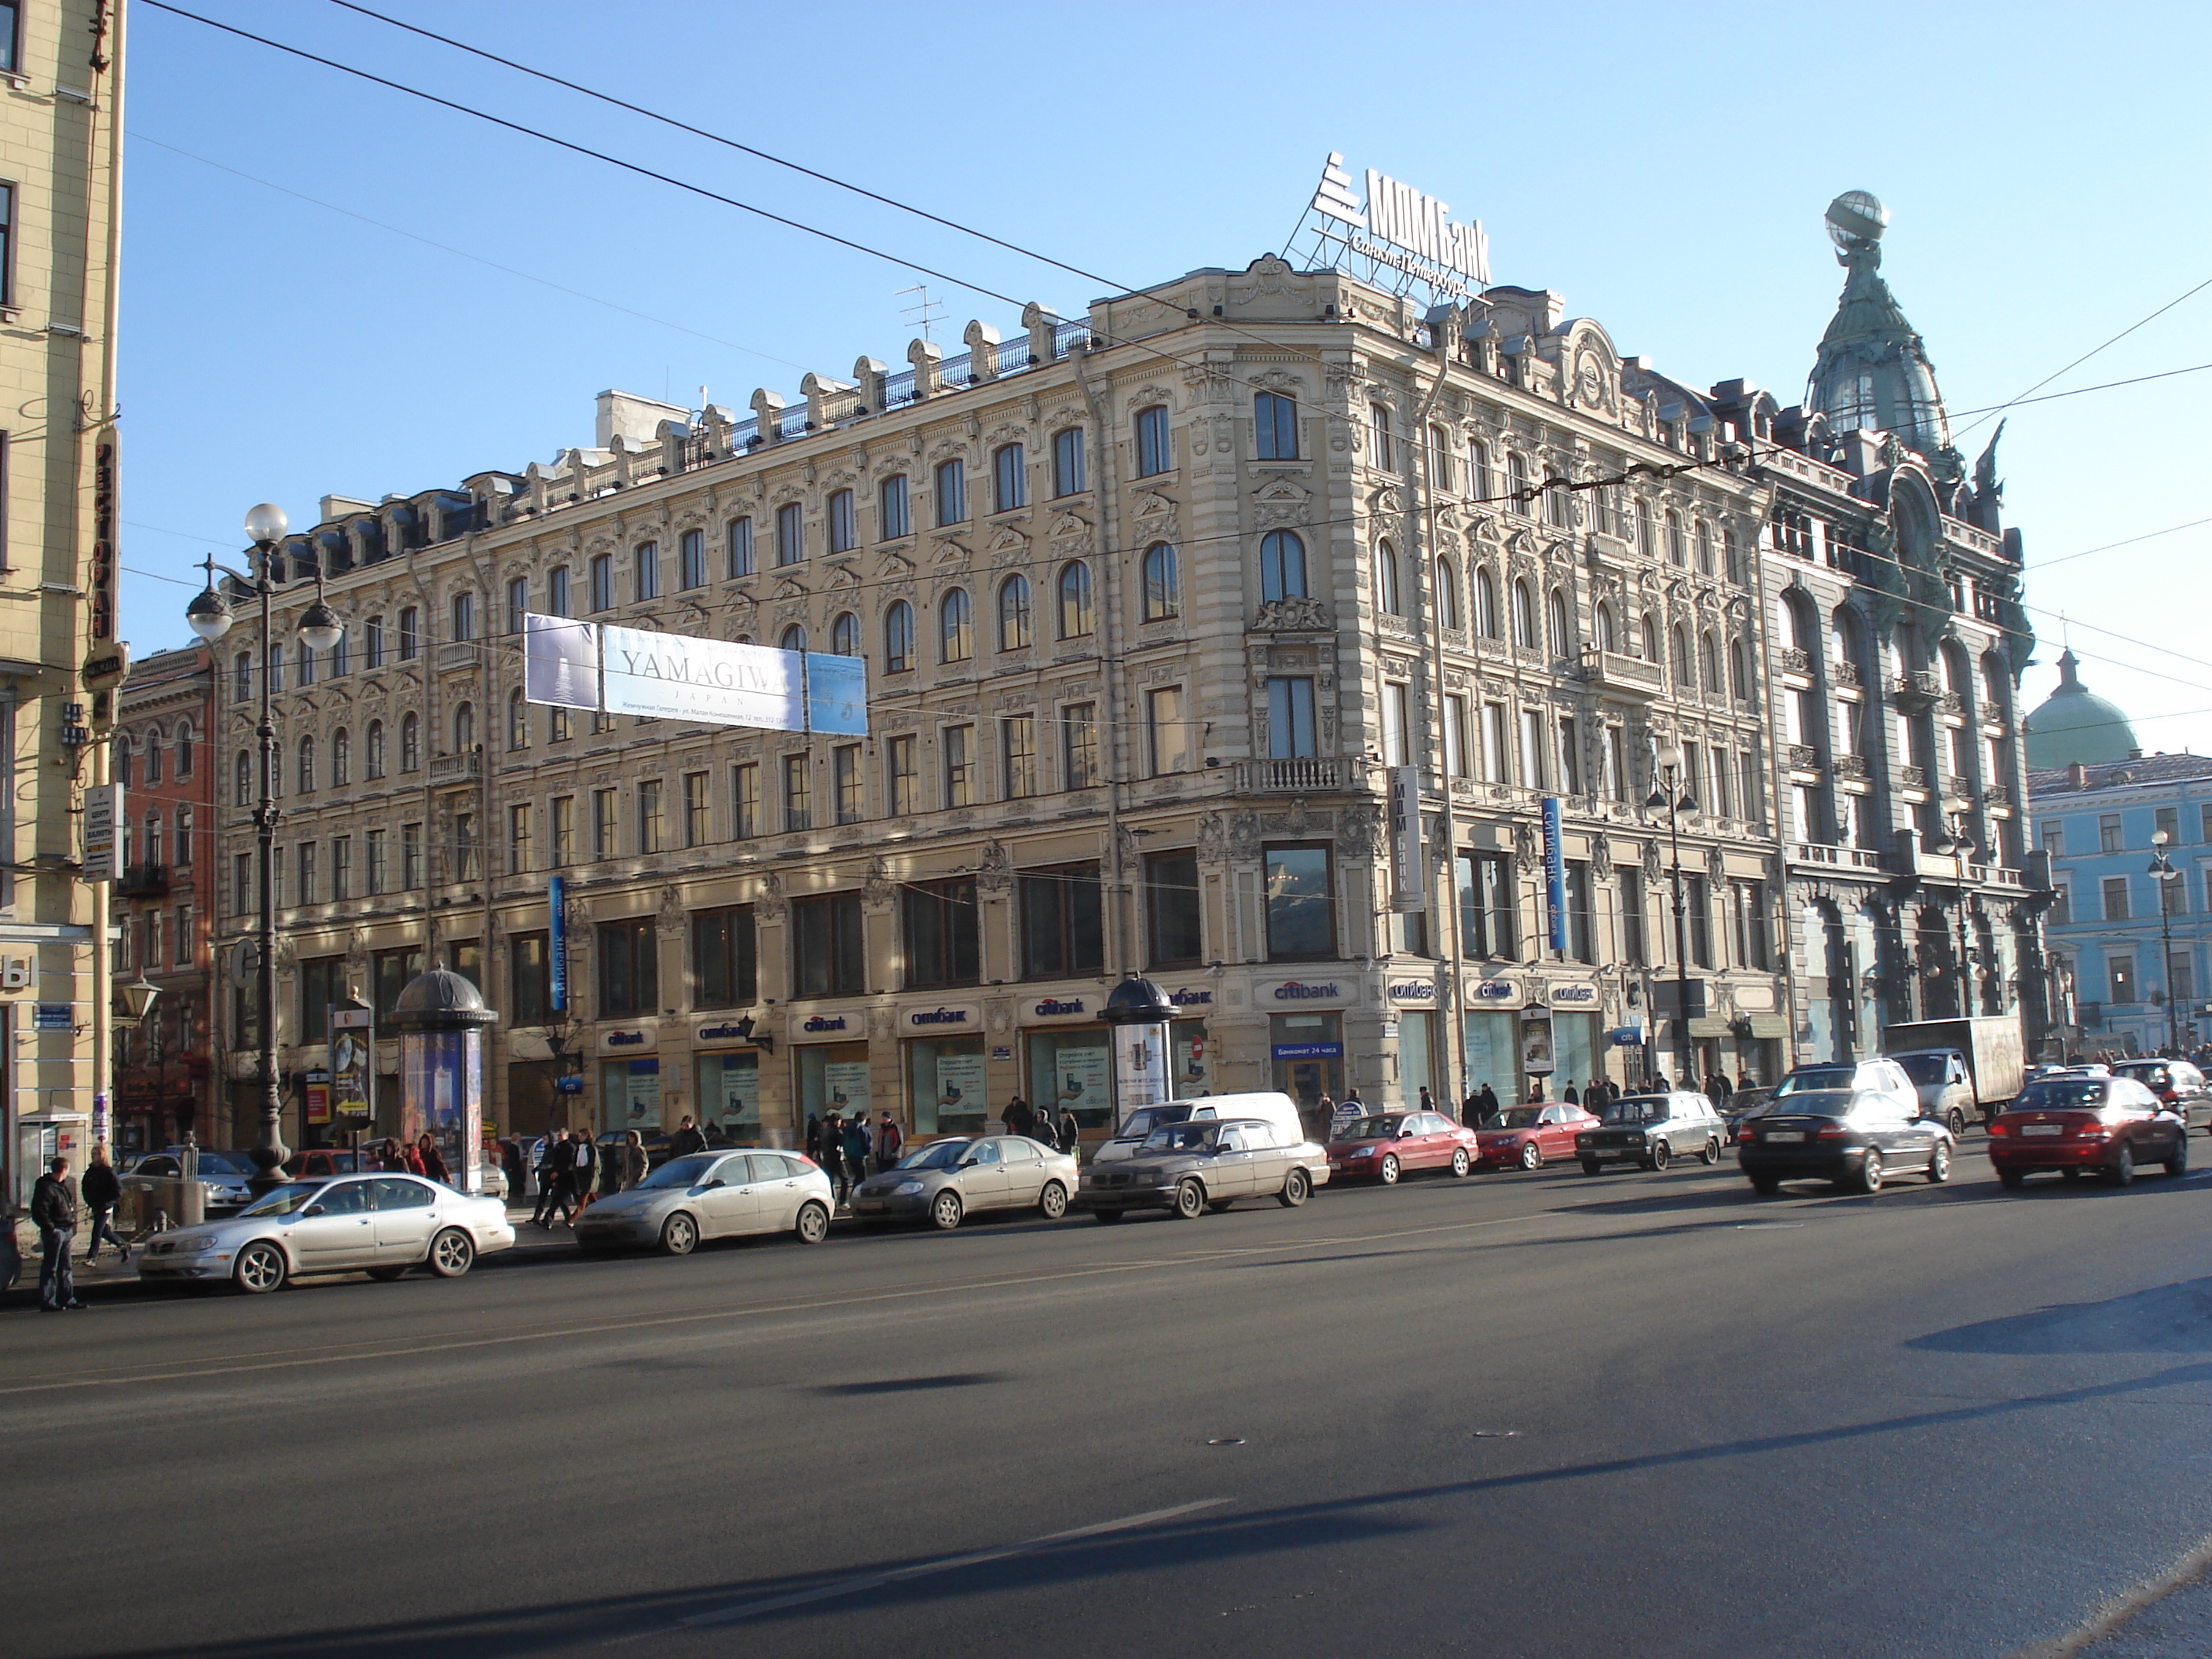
(1984, 414)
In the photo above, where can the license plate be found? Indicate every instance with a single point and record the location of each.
(2043, 1128)
(1786, 1134)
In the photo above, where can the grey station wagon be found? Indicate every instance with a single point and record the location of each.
(1651, 1131)
(1187, 1169)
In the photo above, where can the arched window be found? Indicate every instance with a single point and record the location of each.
(1683, 668)
(1010, 479)
(153, 831)
(462, 616)
(1705, 548)
(1524, 617)
(1732, 556)
(1282, 566)
(1799, 621)
(1677, 551)
(373, 759)
(306, 766)
(1386, 580)
(1448, 611)
(951, 493)
(1274, 427)
(1378, 416)
(1162, 583)
(955, 631)
(1154, 452)
(1074, 601)
(1016, 627)
(342, 758)
(1844, 642)
(410, 743)
(794, 638)
(1649, 646)
(1608, 637)
(1738, 674)
(518, 721)
(1994, 678)
(242, 780)
(898, 638)
(120, 750)
(465, 728)
(1517, 483)
(1479, 480)
(184, 751)
(1709, 663)
(1956, 680)
(1559, 512)
(154, 755)
(1647, 538)
(1555, 623)
(1485, 605)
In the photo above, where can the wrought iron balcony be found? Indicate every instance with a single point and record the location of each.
(143, 881)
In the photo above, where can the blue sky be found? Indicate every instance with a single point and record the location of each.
(1663, 166)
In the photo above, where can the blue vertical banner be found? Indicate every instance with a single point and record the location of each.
(556, 942)
(1555, 873)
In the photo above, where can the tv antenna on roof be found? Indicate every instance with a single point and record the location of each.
(925, 310)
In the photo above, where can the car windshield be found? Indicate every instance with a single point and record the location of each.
(1816, 1076)
(1373, 1129)
(937, 1155)
(1180, 1138)
(1637, 1109)
(2053, 1094)
(288, 1200)
(1145, 1119)
(2144, 1073)
(1924, 1068)
(1820, 1103)
(686, 1171)
(1520, 1117)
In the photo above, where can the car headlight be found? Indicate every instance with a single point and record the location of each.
(196, 1244)
(907, 1189)
(1364, 1151)
(1582, 1140)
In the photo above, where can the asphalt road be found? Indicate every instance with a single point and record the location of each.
(1518, 1415)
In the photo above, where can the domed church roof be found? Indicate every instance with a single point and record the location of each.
(2073, 724)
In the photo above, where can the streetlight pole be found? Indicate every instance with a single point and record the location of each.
(209, 616)
(1962, 844)
(2162, 871)
(1668, 757)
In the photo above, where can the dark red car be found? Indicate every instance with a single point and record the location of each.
(1383, 1147)
(2111, 1124)
(1530, 1136)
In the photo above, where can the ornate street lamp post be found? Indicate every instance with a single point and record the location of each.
(209, 616)
(1959, 844)
(2161, 872)
(1666, 797)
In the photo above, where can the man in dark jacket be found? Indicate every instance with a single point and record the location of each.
(1486, 1104)
(101, 1191)
(552, 1172)
(53, 1209)
(686, 1139)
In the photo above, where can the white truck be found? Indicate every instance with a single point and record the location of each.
(1960, 1067)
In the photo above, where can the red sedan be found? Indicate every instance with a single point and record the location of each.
(1530, 1136)
(2070, 1124)
(1386, 1147)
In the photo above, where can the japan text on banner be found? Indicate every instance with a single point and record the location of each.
(560, 662)
(670, 677)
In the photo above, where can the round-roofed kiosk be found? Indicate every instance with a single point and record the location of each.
(441, 1018)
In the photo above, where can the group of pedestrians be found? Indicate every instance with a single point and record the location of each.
(574, 1170)
(850, 1149)
(1057, 1130)
(418, 1156)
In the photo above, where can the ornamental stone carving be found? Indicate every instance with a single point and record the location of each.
(1653, 869)
(772, 905)
(1304, 614)
(876, 888)
(1601, 858)
(1525, 855)
(1213, 837)
(995, 874)
(1357, 830)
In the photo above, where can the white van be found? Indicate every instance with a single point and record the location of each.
(1270, 1108)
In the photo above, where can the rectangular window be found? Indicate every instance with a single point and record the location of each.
(2051, 833)
(464, 847)
(276, 668)
(841, 522)
(341, 866)
(528, 980)
(564, 831)
(1078, 729)
(691, 559)
(1291, 733)
(1301, 916)
(790, 533)
(725, 970)
(2167, 820)
(827, 952)
(1017, 739)
(2180, 978)
(845, 778)
(2116, 898)
(410, 856)
(2172, 894)
(1172, 930)
(379, 872)
(1455, 733)
(1570, 757)
(957, 743)
(1063, 928)
(1697, 899)
(899, 770)
(698, 822)
(629, 967)
(306, 678)
(605, 816)
(2205, 823)
(321, 983)
(1493, 743)
(309, 885)
(647, 580)
(892, 509)
(2123, 973)
(1153, 451)
(951, 494)
(1440, 458)
(1616, 764)
(942, 933)
(1486, 906)
(738, 550)
(2062, 903)
(1579, 930)
(558, 600)
(602, 570)
(1394, 697)
(1275, 427)
(2108, 833)
(180, 945)
(798, 792)
(1531, 757)
(652, 825)
(1723, 784)
(745, 802)
(518, 840)
(1632, 917)
(1068, 462)
(462, 614)
(1010, 479)
(1750, 907)
(394, 970)
(1166, 732)
(518, 603)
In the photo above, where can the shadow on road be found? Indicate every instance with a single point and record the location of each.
(2164, 1319)
(916, 1384)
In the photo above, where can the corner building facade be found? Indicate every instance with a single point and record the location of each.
(1152, 603)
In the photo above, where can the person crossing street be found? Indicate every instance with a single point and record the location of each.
(101, 1191)
(53, 1209)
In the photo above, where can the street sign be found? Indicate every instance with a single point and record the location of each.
(54, 1016)
(103, 812)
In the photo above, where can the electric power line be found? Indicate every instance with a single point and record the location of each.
(1986, 413)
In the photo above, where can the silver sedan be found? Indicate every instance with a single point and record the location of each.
(713, 1195)
(382, 1225)
(946, 1179)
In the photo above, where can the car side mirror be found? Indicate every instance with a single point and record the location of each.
(709, 1187)
(317, 1209)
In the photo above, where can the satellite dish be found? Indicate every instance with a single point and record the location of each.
(1856, 219)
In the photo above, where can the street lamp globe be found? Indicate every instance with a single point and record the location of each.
(138, 999)
(209, 615)
(1669, 753)
(319, 627)
(266, 523)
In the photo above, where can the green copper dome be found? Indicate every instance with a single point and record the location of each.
(2073, 724)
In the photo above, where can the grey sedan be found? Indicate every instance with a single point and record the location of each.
(948, 1178)
(1187, 1169)
(381, 1224)
(713, 1195)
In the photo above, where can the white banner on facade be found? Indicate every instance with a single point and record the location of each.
(1409, 886)
(103, 812)
(560, 662)
(669, 677)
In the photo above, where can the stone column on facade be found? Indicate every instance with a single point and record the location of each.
(772, 957)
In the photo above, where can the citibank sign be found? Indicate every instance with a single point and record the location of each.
(1298, 990)
(956, 1017)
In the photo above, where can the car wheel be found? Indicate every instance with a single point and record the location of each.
(453, 1253)
(1051, 1202)
(260, 1269)
(680, 1233)
(1389, 1170)
(1956, 1122)
(1189, 1201)
(1938, 1165)
(813, 1225)
(2012, 1179)
(1461, 1164)
(1591, 1166)
(2178, 1163)
(1532, 1156)
(387, 1274)
(1109, 1215)
(2123, 1169)
(946, 1210)
(1712, 1152)
(1298, 1187)
(1659, 1157)
(1869, 1174)
(1765, 1186)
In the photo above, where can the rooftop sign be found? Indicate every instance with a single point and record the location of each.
(1401, 227)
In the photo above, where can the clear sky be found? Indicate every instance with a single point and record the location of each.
(1664, 167)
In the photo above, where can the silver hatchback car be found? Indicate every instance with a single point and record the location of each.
(948, 1178)
(713, 1195)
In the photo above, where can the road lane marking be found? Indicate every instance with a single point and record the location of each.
(902, 1575)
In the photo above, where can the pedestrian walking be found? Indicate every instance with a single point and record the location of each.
(510, 1162)
(888, 1141)
(432, 1160)
(628, 1167)
(1070, 1133)
(856, 1146)
(411, 1159)
(686, 1141)
(583, 1174)
(101, 1191)
(1427, 1104)
(1571, 1097)
(829, 1153)
(1485, 1103)
(551, 1156)
(1020, 1118)
(53, 1211)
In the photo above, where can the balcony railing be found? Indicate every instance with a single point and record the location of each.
(143, 881)
(1841, 858)
(1312, 775)
(1615, 672)
(456, 769)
